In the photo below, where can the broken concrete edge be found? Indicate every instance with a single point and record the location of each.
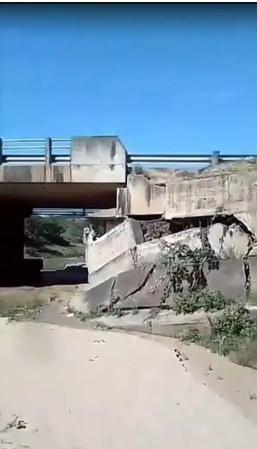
(118, 240)
(226, 241)
(177, 197)
(165, 323)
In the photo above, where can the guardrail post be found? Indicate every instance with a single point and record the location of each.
(215, 158)
(48, 160)
(48, 151)
(1, 151)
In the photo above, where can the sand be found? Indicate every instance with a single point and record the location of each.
(81, 389)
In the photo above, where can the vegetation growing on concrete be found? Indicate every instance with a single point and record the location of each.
(186, 266)
(233, 330)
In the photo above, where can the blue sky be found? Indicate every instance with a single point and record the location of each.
(167, 78)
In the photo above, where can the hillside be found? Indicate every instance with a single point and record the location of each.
(57, 240)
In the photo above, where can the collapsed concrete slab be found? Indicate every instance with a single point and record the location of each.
(107, 248)
(145, 287)
(226, 241)
(123, 249)
(123, 262)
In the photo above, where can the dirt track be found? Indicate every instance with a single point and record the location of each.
(77, 388)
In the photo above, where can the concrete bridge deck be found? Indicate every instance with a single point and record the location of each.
(97, 166)
(66, 195)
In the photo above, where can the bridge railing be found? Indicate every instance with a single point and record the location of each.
(16, 151)
(58, 150)
(166, 159)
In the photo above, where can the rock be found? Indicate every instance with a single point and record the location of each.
(155, 229)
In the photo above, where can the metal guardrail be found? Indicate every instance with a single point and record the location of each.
(58, 150)
(161, 159)
(59, 212)
(64, 212)
(35, 150)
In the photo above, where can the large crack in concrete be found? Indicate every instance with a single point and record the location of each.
(143, 283)
(228, 221)
(246, 262)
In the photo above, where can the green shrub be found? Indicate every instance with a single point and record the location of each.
(207, 300)
(233, 333)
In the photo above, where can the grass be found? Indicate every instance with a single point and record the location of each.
(233, 334)
(29, 302)
(233, 326)
(21, 311)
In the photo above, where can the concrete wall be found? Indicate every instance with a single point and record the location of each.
(235, 192)
(98, 159)
(141, 197)
(199, 197)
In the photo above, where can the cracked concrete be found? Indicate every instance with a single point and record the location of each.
(134, 279)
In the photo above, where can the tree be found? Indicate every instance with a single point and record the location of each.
(40, 232)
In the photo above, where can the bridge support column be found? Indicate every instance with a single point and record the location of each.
(14, 270)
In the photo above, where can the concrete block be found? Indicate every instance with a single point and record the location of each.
(140, 288)
(122, 262)
(98, 296)
(98, 159)
(141, 197)
(128, 282)
(229, 279)
(109, 246)
(249, 220)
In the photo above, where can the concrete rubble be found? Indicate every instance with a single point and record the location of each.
(129, 281)
(123, 248)
(173, 194)
(210, 210)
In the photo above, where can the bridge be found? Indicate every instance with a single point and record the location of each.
(81, 172)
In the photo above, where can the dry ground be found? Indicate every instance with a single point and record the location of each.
(67, 383)
(64, 388)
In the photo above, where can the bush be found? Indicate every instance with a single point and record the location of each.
(40, 232)
(234, 321)
(233, 333)
(207, 300)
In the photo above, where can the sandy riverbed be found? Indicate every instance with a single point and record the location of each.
(80, 389)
